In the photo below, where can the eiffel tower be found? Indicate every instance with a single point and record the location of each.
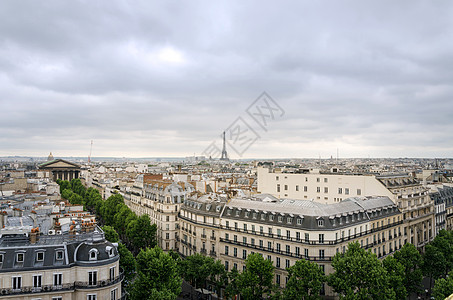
(224, 152)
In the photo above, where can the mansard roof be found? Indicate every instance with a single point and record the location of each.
(306, 214)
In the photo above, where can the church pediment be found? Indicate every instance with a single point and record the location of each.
(58, 163)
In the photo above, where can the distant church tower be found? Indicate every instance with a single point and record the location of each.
(224, 152)
(50, 157)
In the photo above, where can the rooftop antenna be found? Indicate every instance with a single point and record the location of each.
(224, 152)
(91, 149)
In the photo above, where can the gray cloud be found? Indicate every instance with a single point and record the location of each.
(159, 79)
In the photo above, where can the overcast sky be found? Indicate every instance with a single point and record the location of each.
(143, 79)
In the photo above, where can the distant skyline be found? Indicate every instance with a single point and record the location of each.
(165, 79)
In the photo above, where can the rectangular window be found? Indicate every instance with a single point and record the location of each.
(287, 263)
(278, 247)
(37, 281)
(297, 251)
(40, 256)
(279, 232)
(298, 236)
(17, 282)
(92, 277)
(326, 189)
(244, 240)
(57, 279)
(1, 258)
(297, 188)
(340, 191)
(277, 262)
(253, 241)
(269, 246)
(318, 189)
(112, 273)
(307, 238)
(91, 297)
(226, 250)
(20, 257)
(346, 191)
(306, 253)
(288, 249)
(325, 179)
(321, 238)
(286, 187)
(261, 243)
(288, 234)
(277, 279)
(278, 188)
(244, 254)
(305, 188)
(114, 294)
(321, 254)
(359, 192)
(235, 252)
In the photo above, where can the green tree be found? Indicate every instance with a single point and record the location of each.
(411, 259)
(199, 269)
(257, 279)
(77, 187)
(111, 207)
(395, 273)
(127, 262)
(75, 199)
(141, 233)
(66, 194)
(92, 195)
(305, 280)
(359, 275)
(122, 218)
(232, 283)
(110, 234)
(433, 263)
(443, 242)
(157, 276)
(443, 287)
(64, 184)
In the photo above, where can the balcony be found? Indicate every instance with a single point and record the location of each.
(203, 236)
(212, 253)
(212, 238)
(77, 285)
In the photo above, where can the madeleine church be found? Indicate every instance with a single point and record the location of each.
(60, 168)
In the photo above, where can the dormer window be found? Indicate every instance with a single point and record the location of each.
(110, 251)
(320, 223)
(40, 256)
(93, 254)
(20, 257)
(1, 258)
(59, 255)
